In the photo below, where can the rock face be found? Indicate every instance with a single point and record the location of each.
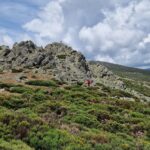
(102, 75)
(57, 59)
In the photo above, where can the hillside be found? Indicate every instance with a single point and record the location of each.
(45, 103)
(136, 81)
(128, 72)
(47, 114)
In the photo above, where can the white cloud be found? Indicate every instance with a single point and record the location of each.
(49, 22)
(5, 39)
(104, 58)
(123, 35)
(145, 41)
(112, 30)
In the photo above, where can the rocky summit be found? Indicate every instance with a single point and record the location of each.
(58, 60)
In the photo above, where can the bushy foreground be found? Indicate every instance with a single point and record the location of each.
(47, 115)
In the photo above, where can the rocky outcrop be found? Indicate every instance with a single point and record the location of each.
(102, 75)
(56, 59)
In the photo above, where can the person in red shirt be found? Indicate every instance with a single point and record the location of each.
(88, 82)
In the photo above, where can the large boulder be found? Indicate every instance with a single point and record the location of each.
(68, 64)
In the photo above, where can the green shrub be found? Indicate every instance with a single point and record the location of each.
(14, 103)
(120, 93)
(61, 56)
(96, 137)
(103, 147)
(86, 120)
(14, 145)
(41, 83)
(39, 97)
(5, 85)
(125, 104)
(114, 127)
(52, 139)
(17, 70)
(20, 90)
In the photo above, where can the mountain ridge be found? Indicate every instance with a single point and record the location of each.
(64, 64)
(57, 59)
(129, 72)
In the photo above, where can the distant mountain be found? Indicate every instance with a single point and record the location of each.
(127, 72)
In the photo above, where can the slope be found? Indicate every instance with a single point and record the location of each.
(128, 72)
(47, 114)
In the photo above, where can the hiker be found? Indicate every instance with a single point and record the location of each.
(88, 82)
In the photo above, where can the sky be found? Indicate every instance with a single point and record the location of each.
(116, 31)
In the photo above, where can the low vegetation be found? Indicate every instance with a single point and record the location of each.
(61, 56)
(138, 86)
(49, 115)
(41, 83)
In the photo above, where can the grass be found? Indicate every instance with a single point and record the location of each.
(138, 86)
(71, 117)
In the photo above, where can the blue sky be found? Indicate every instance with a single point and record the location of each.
(116, 31)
